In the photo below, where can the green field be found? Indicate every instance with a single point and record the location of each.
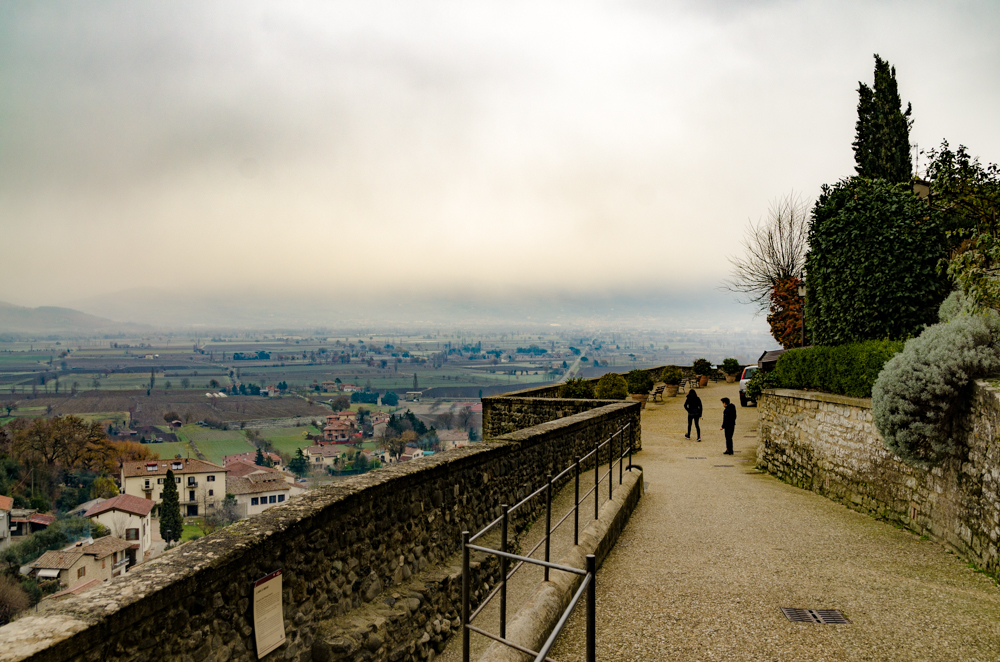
(287, 440)
(171, 449)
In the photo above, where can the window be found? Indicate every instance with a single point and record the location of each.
(131, 534)
(104, 564)
(177, 480)
(211, 493)
(82, 572)
(254, 501)
(274, 499)
(147, 484)
(281, 497)
(211, 479)
(191, 495)
(192, 481)
(159, 481)
(176, 465)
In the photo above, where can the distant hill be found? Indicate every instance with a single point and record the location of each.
(49, 320)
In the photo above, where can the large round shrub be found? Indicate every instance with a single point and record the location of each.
(611, 387)
(872, 271)
(701, 367)
(672, 375)
(639, 381)
(921, 395)
(577, 388)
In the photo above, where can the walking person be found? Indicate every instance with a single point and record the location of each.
(693, 407)
(728, 423)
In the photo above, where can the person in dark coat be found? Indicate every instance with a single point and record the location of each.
(693, 407)
(728, 423)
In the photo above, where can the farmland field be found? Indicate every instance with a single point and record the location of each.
(170, 449)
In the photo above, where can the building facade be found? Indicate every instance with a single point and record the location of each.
(127, 517)
(257, 492)
(201, 485)
(98, 561)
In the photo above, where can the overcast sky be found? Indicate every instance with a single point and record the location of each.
(472, 148)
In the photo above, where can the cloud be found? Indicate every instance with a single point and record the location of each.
(471, 149)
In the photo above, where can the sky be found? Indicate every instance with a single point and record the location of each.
(324, 152)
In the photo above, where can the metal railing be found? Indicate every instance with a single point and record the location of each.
(589, 575)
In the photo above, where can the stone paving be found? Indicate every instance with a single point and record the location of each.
(712, 552)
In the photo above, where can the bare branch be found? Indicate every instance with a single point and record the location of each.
(775, 250)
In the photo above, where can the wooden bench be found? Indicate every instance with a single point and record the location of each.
(657, 393)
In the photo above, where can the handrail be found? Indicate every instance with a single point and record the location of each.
(589, 575)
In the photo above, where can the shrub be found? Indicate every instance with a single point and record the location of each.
(844, 369)
(761, 380)
(611, 387)
(576, 388)
(919, 400)
(874, 248)
(672, 375)
(702, 367)
(13, 599)
(639, 381)
(731, 366)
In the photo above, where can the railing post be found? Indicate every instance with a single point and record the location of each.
(597, 479)
(592, 609)
(630, 453)
(621, 452)
(576, 507)
(503, 573)
(548, 521)
(611, 467)
(465, 596)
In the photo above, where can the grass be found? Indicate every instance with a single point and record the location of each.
(214, 451)
(189, 531)
(286, 440)
(171, 449)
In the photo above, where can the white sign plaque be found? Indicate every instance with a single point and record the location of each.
(268, 615)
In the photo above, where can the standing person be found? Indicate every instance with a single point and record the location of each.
(693, 407)
(728, 423)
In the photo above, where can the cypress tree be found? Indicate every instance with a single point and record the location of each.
(171, 522)
(259, 459)
(882, 138)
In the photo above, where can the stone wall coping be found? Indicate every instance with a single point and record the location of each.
(819, 396)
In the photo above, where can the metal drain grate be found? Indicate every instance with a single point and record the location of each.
(696, 458)
(821, 616)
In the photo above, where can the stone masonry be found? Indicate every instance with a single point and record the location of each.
(363, 561)
(828, 444)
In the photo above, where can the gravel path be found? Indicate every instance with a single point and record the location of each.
(712, 553)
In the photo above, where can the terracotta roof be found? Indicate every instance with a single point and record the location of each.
(249, 455)
(256, 483)
(244, 468)
(42, 519)
(57, 560)
(6, 502)
(336, 425)
(134, 468)
(79, 588)
(124, 502)
(105, 547)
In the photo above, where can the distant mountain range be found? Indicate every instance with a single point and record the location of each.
(64, 322)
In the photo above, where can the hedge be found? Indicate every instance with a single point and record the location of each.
(844, 369)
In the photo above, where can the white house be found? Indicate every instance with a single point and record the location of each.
(127, 517)
(410, 453)
(257, 492)
(84, 564)
(201, 485)
(6, 505)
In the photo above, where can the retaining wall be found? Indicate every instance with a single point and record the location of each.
(828, 444)
(348, 553)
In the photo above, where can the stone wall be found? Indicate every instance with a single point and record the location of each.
(505, 414)
(552, 390)
(350, 554)
(828, 444)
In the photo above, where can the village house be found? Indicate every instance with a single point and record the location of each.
(244, 468)
(84, 563)
(25, 521)
(201, 485)
(351, 388)
(257, 492)
(322, 455)
(251, 456)
(348, 416)
(336, 431)
(330, 386)
(450, 439)
(6, 505)
(410, 453)
(128, 518)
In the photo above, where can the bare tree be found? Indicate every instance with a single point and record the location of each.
(775, 250)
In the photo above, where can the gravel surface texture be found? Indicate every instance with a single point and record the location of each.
(713, 552)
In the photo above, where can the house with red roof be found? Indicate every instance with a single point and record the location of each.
(6, 505)
(127, 517)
